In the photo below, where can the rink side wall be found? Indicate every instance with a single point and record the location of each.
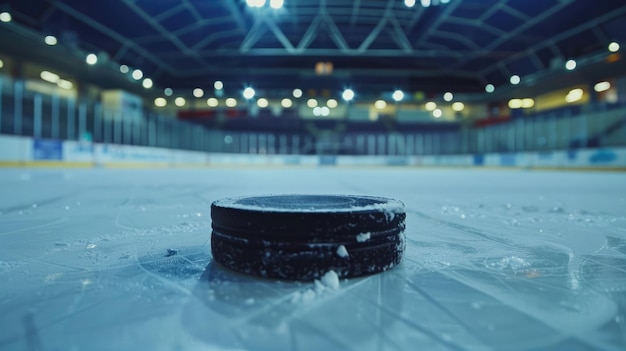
(16, 151)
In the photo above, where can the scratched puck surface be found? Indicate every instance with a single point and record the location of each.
(302, 237)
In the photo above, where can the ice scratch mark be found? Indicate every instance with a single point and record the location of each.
(58, 221)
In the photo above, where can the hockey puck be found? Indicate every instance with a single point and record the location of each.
(301, 237)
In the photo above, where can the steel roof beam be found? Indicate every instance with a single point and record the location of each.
(114, 35)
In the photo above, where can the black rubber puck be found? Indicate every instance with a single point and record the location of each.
(301, 237)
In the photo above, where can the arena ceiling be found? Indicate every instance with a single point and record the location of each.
(374, 46)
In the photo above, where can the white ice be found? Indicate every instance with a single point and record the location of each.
(495, 260)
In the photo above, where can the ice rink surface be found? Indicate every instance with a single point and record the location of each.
(495, 260)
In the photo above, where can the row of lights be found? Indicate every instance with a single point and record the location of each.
(425, 3)
(570, 65)
(572, 96)
(275, 4)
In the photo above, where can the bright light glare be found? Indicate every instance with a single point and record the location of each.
(490, 88)
(317, 111)
(325, 111)
(398, 95)
(137, 74)
(311, 103)
(168, 91)
(409, 3)
(50, 77)
(613, 47)
(574, 95)
(180, 101)
(124, 69)
(5, 17)
(197, 92)
(430, 106)
(425, 3)
(437, 113)
(65, 84)
(160, 102)
(570, 65)
(231, 102)
(286, 103)
(1, 64)
(218, 85)
(91, 59)
(147, 83)
(212, 102)
(276, 4)
(602, 86)
(50, 40)
(262, 103)
(515, 103)
(448, 96)
(380, 104)
(332, 103)
(348, 94)
(255, 3)
(297, 93)
(248, 93)
(515, 79)
(458, 106)
(528, 103)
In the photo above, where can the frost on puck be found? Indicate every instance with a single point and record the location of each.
(302, 237)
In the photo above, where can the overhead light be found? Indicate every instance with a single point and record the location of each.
(570, 65)
(490, 88)
(65, 84)
(212, 102)
(332, 103)
(448, 96)
(180, 101)
(311, 103)
(425, 3)
(602, 86)
(380, 104)
(262, 103)
(574, 95)
(168, 91)
(197, 92)
(91, 59)
(124, 69)
(50, 40)
(248, 93)
(528, 103)
(1, 64)
(5, 17)
(325, 111)
(255, 3)
(297, 93)
(218, 85)
(437, 113)
(286, 103)
(147, 83)
(137, 74)
(160, 102)
(276, 4)
(317, 111)
(430, 106)
(398, 95)
(458, 106)
(614, 47)
(348, 95)
(515, 103)
(49, 77)
(231, 102)
(409, 3)
(515, 79)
